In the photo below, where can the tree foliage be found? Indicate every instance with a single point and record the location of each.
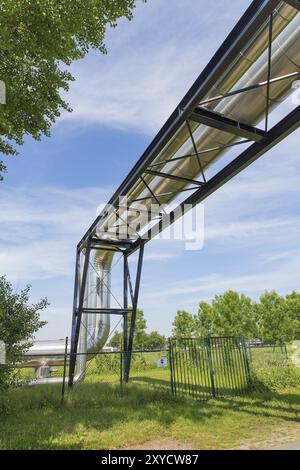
(232, 315)
(273, 319)
(142, 339)
(276, 318)
(183, 325)
(19, 321)
(39, 40)
(153, 340)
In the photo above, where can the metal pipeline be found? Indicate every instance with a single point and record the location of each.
(249, 68)
(94, 329)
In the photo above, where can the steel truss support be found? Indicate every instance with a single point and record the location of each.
(188, 110)
(275, 135)
(173, 177)
(225, 124)
(258, 12)
(198, 154)
(294, 3)
(265, 83)
(80, 294)
(129, 327)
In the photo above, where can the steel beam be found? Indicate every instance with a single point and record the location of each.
(129, 281)
(150, 190)
(128, 354)
(294, 3)
(125, 319)
(76, 290)
(202, 152)
(269, 72)
(249, 88)
(225, 124)
(257, 13)
(108, 311)
(275, 135)
(196, 150)
(76, 330)
(173, 177)
(112, 243)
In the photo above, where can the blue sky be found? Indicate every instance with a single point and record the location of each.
(52, 190)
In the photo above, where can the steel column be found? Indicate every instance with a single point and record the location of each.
(125, 322)
(134, 311)
(78, 314)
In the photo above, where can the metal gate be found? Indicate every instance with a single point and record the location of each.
(209, 367)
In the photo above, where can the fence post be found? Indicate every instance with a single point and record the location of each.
(122, 359)
(121, 368)
(285, 350)
(65, 369)
(210, 364)
(246, 357)
(171, 366)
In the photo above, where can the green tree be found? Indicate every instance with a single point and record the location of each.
(39, 40)
(276, 322)
(139, 332)
(140, 329)
(203, 320)
(183, 325)
(233, 315)
(116, 340)
(154, 340)
(293, 307)
(19, 321)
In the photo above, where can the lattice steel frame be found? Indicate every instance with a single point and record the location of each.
(188, 111)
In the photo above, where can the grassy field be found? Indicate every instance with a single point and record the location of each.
(99, 415)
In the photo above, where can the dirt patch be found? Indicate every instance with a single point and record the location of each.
(281, 437)
(161, 444)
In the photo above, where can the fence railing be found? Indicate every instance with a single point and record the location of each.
(199, 368)
(148, 368)
(263, 353)
(210, 367)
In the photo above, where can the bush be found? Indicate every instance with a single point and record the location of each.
(19, 321)
(275, 374)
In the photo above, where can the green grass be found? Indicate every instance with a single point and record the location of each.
(97, 414)
(100, 416)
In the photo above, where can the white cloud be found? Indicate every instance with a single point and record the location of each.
(283, 278)
(251, 228)
(151, 63)
(40, 228)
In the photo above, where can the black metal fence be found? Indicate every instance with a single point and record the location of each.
(199, 368)
(210, 367)
(148, 368)
(262, 354)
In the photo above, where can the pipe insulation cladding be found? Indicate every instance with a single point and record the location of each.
(94, 327)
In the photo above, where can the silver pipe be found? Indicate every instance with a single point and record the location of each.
(94, 330)
(249, 68)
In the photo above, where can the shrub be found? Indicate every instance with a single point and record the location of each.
(19, 321)
(275, 374)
